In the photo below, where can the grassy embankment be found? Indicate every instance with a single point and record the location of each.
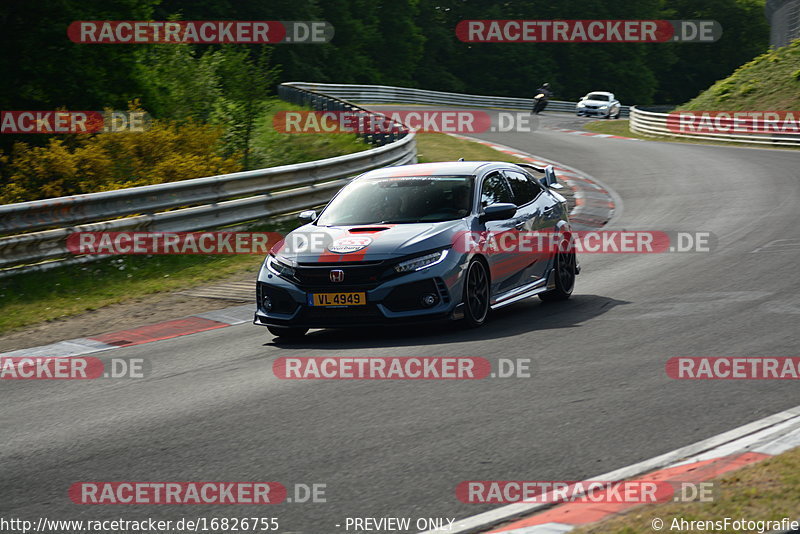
(770, 82)
(768, 490)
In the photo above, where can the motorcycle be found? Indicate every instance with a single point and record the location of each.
(539, 103)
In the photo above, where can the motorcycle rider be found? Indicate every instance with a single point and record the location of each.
(545, 88)
(539, 105)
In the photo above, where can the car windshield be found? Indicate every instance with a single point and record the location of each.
(400, 199)
(597, 96)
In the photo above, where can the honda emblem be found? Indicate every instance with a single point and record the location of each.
(337, 275)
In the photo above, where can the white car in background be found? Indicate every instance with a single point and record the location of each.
(599, 104)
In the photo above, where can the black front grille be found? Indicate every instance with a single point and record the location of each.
(363, 275)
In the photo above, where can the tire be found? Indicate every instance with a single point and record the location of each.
(476, 294)
(287, 332)
(565, 278)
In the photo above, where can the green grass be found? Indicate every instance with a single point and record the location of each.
(770, 82)
(442, 147)
(612, 127)
(271, 148)
(64, 291)
(36, 297)
(768, 490)
(621, 127)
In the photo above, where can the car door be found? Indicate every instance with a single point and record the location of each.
(533, 209)
(494, 190)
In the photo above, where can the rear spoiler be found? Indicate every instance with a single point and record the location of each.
(549, 179)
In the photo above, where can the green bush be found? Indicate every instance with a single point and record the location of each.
(76, 164)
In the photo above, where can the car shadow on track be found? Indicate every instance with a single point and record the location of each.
(527, 316)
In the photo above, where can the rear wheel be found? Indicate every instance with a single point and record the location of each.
(565, 271)
(287, 331)
(476, 294)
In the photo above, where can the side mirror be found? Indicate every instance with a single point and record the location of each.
(307, 216)
(583, 98)
(498, 212)
(550, 179)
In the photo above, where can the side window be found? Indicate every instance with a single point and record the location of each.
(495, 190)
(525, 189)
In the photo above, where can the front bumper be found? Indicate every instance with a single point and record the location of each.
(589, 112)
(397, 300)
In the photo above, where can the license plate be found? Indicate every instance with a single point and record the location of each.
(337, 299)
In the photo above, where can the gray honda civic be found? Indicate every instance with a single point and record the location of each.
(417, 243)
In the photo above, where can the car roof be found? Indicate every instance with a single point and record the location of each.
(440, 168)
(600, 93)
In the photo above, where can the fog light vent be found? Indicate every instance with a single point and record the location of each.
(429, 299)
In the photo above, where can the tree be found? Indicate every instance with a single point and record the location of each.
(178, 82)
(246, 84)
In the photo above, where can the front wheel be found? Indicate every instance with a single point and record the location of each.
(476, 294)
(565, 271)
(287, 332)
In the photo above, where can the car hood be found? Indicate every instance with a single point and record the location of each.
(312, 244)
(597, 102)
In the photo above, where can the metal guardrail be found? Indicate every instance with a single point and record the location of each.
(219, 201)
(384, 94)
(656, 124)
(202, 203)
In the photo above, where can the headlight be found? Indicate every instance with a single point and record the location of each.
(281, 269)
(581, 105)
(421, 262)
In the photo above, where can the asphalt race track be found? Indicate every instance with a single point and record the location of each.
(599, 398)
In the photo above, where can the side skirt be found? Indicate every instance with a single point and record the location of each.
(522, 292)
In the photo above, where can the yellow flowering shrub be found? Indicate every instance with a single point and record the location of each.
(166, 152)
